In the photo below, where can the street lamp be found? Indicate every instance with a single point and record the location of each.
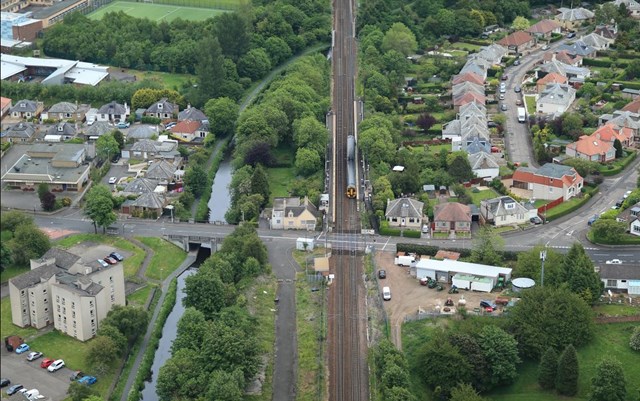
(543, 256)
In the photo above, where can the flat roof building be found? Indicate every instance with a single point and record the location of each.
(473, 276)
(54, 71)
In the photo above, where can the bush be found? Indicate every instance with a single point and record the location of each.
(396, 232)
(150, 120)
(634, 342)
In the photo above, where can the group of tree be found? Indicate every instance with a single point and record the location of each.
(216, 350)
(483, 356)
(47, 198)
(392, 372)
(27, 240)
(628, 29)
(99, 206)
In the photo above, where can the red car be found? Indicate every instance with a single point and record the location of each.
(45, 364)
(110, 260)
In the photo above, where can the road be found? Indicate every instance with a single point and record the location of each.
(517, 135)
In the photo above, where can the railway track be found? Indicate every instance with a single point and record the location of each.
(348, 373)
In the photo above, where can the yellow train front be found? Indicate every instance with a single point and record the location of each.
(351, 167)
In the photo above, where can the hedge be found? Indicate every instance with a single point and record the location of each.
(431, 250)
(629, 84)
(144, 371)
(596, 63)
(625, 240)
(625, 162)
(396, 232)
(589, 191)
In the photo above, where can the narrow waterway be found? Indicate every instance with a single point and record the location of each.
(169, 333)
(220, 197)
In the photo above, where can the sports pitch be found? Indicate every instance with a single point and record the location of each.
(156, 12)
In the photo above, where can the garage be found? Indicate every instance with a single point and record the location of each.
(634, 287)
(473, 276)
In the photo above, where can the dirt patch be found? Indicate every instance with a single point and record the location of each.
(408, 297)
(56, 233)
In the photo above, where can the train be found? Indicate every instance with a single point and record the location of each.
(351, 167)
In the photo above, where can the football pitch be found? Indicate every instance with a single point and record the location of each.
(156, 12)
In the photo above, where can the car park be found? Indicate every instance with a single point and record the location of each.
(486, 304)
(56, 365)
(116, 256)
(33, 356)
(382, 274)
(110, 260)
(22, 348)
(87, 380)
(46, 363)
(103, 263)
(614, 262)
(14, 389)
(113, 180)
(4, 382)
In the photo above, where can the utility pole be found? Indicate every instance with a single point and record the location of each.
(543, 256)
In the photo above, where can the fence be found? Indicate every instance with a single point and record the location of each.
(215, 4)
(544, 208)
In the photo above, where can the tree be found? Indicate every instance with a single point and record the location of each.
(13, 219)
(572, 125)
(568, 372)
(606, 13)
(582, 166)
(28, 242)
(588, 90)
(260, 183)
(232, 34)
(399, 38)
(520, 23)
(183, 376)
(608, 230)
(107, 146)
(547, 369)
(487, 248)
(618, 146)
(578, 272)
(48, 202)
(119, 137)
(633, 69)
(442, 365)
(307, 162)
(470, 348)
(101, 351)
(376, 144)
(459, 167)
(79, 392)
(131, 321)
(191, 328)
(608, 384)
(99, 207)
(464, 392)
(254, 64)
(223, 114)
(500, 350)
(115, 335)
(5, 256)
(209, 69)
(43, 188)
(634, 341)
(528, 265)
(277, 49)
(195, 179)
(205, 291)
(225, 386)
(309, 133)
(425, 121)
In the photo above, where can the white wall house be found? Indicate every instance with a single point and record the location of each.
(621, 278)
(555, 99)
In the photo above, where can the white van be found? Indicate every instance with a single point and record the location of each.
(386, 293)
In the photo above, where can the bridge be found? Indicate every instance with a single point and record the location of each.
(205, 241)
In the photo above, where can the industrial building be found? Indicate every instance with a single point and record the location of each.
(471, 276)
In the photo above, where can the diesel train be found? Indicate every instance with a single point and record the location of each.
(351, 167)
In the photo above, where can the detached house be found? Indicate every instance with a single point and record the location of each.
(551, 181)
(563, 56)
(544, 28)
(578, 48)
(191, 113)
(623, 120)
(555, 99)
(20, 133)
(621, 278)
(596, 41)
(405, 213)
(550, 78)
(162, 109)
(113, 112)
(633, 7)
(484, 165)
(452, 217)
(26, 109)
(293, 214)
(591, 147)
(61, 111)
(610, 132)
(60, 132)
(517, 42)
(503, 211)
(190, 130)
(570, 18)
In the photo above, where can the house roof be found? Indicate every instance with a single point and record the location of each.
(468, 97)
(63, 259)
(610, 133)
(492, 53)
(141, 185)
(25, 106)
(563, 68)
(191, 113)
(294, 206)
(591, 146)
(452, 211)
(606, 31)
(563, 56)
(574, 14)
(99, 128)
(501, 206)
(150, 200)
(549, 174)
(557, 94)
(113, 108)
(552, 77)
(4, 102)
(633, 106)
(517, 38)
(467, 77)
(62, 129)
(35, 276)
(464, 87)
(63, 107)
(475, 144)
(141, 132)
(186, 127)
(144, 145)
(162, 106)
(579, 48)
(482, 160)
(161, 170)
(473, 66)
(543, 26)
(20, 130)
(404, 207)
(625, 119)
(473, 108)
(619, 272)
(595, 40)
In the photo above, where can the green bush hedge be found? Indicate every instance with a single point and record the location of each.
(150, 120)
(629, 84)
(618, 168)
(396, 232)
(430, 250)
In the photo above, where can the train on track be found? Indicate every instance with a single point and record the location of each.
(351, 167)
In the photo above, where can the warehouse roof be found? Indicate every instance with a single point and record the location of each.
(454, 266)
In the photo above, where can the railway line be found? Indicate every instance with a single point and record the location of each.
(348, 373)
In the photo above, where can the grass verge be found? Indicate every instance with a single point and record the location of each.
(166, 257)
(530, 102)
(279, 180)
(139, 297)
(616, 310)
(9, 329)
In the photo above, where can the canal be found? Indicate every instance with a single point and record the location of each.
(220, 197)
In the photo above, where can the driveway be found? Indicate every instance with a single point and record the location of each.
(17, 369)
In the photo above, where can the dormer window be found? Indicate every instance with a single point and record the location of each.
(159, 106)
(23, 105)
(60, 128)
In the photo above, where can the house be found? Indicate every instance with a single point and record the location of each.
(147, 205)
(472, 109)
(621, 278)
(467, 77)
(503, 211)
(484, 165)
(550, 78)
(633, 7)
(26, 109)
(544, 28)
(162, 109)
(148, 149)
(518, 42)
(555, 99)
(190, 130)
(19, 133)
(96, 130)
(571, 18)
(191, 113)
(633, 107)
(634, 226)
(493, 54)
(61, 165)
(405, 213)
(475, 67)
(139, 186)
(113, 112)
(64, 131)
(72, 292)
(551, 181)
(142, 132)
(61, 111)
(563, 56)
(610, 132)
(578, 48)
(561, 68)
(5, 106)
(623, 119)
(475, 144)
(465, 87)
(591, 147)
(163, 171)
(464, 275)
(452, 217)
(607, 31)
(596, 41)
(469, 97)
(293, 214)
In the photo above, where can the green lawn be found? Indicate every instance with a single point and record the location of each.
(476, 197)
(131, 263)
(156, 12)
(616, 310)
(279, 180)
(464, 46)
(9, 329)
(530, 102)
(571, 203)
(166, 257)
(140, 296)
(167, 79)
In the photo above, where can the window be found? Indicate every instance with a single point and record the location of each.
(74, 324)
(91, 304)
(93, 323)
(58, 298)
(63, 299)
(58, 308)
(612, 283)
(33, 304)
(111, 279)
(46, 300)
(623, 281)
(22, 293)
(64, 319)
(44, 290)
(73, 305)
(91, 312)
(113, 298)
(73, 315)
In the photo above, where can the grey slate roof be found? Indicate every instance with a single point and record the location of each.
(63, 107)
(24, 130)
(574, 14)
(404, 207)
(482, 160)
(502, 206)
(149, 200)
(144, 145)
(619, 272)
(63, 259)
(191, 113)
(596, 41)
(141, 132)
(579, 47)
(167, 106)
(35, 276)
(465, 87)
(294, 206)
(557, 94)
(112, 108)
(161, 170)
(24, 106)
(62, 129)
(554, 170)
(140, 186)
(99, 128)
(472, 108)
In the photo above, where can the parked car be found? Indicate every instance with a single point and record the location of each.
(614, 262)
(4, 382)
(382, 274)
(170, 125)
(123, 125)
(87, 380)
(501, 97)
(503, 89)
(76, 375)
(571, 35)
(22, 349)
(110, 260)
(518, 102)
(626, 194)
(103, 263)
(386, 293)
(517, 62)
(56, 365)
(14, 389)
(536, 220)
(488, 305)
(115, 158)
(46, 363)
(117, 256)
(504, 77)
(34, 355)
(503, 107)
(517, 89)
(545, 47)
(113, 180)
